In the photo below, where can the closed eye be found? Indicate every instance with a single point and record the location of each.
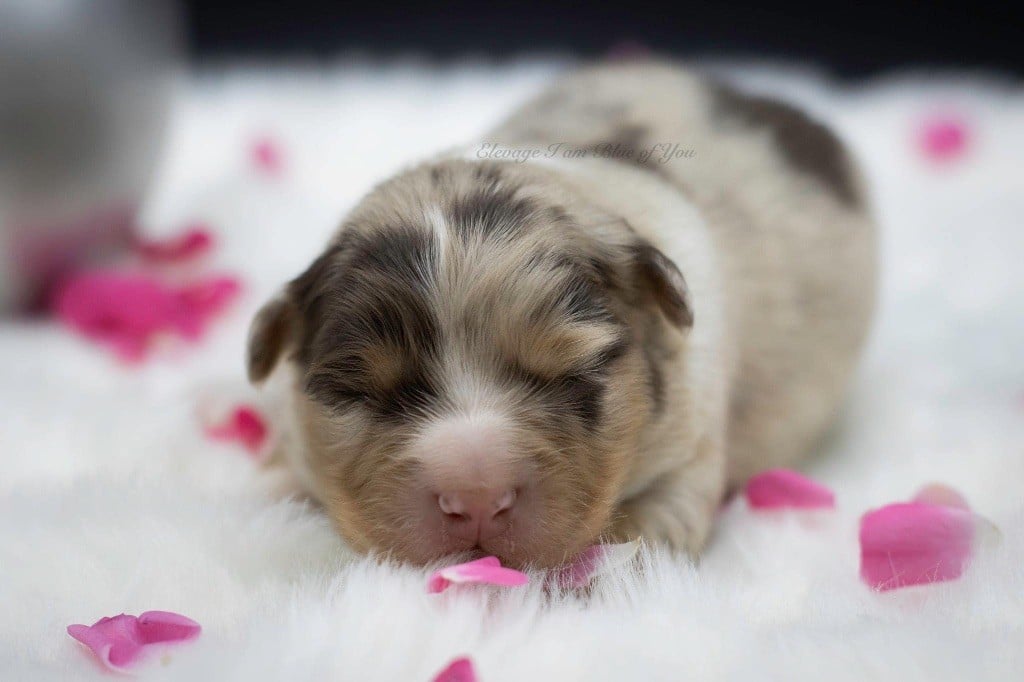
(598, 363)
(410, 396)
(587, 370)
(610, 353)
(577, 393)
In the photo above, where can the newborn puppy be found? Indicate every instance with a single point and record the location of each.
(576, 331)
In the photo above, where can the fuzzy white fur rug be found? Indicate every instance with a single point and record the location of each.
(111, 499)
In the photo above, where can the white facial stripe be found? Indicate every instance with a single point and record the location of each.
(435, 219)
(467, 393)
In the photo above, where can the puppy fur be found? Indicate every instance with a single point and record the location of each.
(649, 333)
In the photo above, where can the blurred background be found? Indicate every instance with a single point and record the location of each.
(852, 40)
(87, 86)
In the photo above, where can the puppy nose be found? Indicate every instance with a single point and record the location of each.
(477, 515)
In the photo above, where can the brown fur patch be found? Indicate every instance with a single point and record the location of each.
(806, 144)
(629, 144)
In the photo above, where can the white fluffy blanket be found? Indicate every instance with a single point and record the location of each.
(112, 500)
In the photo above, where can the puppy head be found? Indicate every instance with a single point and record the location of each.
(470, 354)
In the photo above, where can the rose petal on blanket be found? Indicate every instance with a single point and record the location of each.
(123, 311)
(487, 571)
(266, 155)
(245, 425)
(782, 488)
(943, 137)
(201, 301)
(942, 495)
(913, 543)
(459, 670)
(594, 561)
(121, 642)
(127, 311)
(187, 246)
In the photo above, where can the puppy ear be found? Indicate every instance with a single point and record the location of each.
(271, 332)
(659, 277)
(281, 323)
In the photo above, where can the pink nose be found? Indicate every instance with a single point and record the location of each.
(477, 515)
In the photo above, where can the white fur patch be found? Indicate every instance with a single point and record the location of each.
(435, 219)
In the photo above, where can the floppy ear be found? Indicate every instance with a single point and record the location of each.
(271, 332)
(281, 323)
(659, 277)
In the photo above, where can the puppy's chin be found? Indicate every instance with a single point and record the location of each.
(511, 553)
(518, 547)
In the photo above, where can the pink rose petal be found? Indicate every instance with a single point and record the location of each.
(266, 155)
(181, 248)
(201, 301)
(487, 570)
(121, 310)
(942, 495)
(128, 311)
(121, 642)
(912, 543)
(943, 137)
(594, 561)
(459, 670)
(244, 425)
(781, 488)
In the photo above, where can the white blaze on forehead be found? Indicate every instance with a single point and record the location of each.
(466, 451)
(439, 226)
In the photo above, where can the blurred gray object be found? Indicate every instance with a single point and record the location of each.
(85, 90)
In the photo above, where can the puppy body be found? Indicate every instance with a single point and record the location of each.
(766, 216)
(543, 303)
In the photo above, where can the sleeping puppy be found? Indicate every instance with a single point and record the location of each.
(573, 331)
